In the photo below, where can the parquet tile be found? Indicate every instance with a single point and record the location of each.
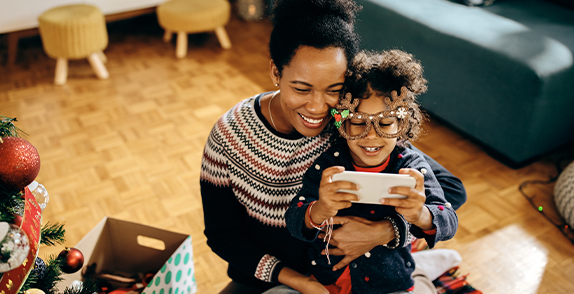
(130, 147)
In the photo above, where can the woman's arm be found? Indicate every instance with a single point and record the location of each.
(225, 217)
(357, 236)
(301, 283)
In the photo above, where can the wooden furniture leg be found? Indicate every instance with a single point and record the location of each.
(98, 66)
(102, 56)
(223, 38)
(167, 36)
(61, 71)
(181, 46)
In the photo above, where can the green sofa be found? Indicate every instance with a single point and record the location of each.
(502, 74)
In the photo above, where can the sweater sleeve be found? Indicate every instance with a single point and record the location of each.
(295, 215)
(224, 217)
(444, 217)
(452, 186)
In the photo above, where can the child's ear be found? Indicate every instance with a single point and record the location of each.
(274, 72)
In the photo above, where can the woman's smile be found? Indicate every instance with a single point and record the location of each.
(310, 122)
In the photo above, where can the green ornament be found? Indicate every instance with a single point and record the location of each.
(345, 113)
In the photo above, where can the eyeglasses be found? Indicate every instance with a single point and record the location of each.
(357, 125)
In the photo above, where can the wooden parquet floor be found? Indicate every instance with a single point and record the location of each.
(130, 147)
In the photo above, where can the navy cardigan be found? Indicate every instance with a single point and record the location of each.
(382, 270)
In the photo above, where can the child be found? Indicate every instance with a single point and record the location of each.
(377, 117)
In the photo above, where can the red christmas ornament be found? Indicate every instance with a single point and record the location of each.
(73, 260)
(17, 220)
(19, 164)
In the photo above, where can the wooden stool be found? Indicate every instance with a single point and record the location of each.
(74, 32)
(193, 16)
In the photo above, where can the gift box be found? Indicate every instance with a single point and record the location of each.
(135, 251)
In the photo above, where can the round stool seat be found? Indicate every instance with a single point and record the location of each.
(192, 16)
(73, 31)
(564, 194)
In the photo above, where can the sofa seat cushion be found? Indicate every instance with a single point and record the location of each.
(505, 82)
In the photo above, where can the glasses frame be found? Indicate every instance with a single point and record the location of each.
(398, 107)
(371, 120)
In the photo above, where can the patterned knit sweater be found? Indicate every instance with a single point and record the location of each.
(249, 174)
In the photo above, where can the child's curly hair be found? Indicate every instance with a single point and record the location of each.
(387, 71)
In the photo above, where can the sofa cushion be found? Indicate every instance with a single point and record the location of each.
(501, 74)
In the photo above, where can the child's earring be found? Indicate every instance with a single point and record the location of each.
(276, 84)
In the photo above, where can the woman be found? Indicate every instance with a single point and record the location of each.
(257, 153)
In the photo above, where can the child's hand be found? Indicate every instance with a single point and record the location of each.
(330, 201)
(413, 207)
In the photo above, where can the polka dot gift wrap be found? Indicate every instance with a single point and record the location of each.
(177, 275)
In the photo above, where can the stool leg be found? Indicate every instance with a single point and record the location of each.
(167, 36)
(102, 56)
(98, 66)
(223, 38)
(61, 71)
(181, 46)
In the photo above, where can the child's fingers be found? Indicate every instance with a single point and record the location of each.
(342, 195)
(333, 187)
(396, 202)
(419, 178)
(414, 198)
(408, 192)
(330, 171)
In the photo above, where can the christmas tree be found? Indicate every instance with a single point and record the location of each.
(22, 201)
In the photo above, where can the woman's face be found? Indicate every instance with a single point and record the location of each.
(372, 150)
(310, 86)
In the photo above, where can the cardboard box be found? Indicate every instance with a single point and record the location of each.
(126, 248)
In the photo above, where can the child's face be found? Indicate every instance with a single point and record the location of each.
(372, 150)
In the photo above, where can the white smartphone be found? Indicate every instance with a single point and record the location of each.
(374, 186)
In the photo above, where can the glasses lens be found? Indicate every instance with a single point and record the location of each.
(355, 127)
(388, 125)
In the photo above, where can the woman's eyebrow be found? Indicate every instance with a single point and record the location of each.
(309, 85)
(301, 83)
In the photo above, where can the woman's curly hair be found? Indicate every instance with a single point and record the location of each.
(386, 71)
(320, 24)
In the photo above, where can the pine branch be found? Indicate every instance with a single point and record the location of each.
(52, 275)
(7, 127)
(29, 283)
(8, 204)
(89, 286)
(52, 234)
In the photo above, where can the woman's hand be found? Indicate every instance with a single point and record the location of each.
(413, 207)
(301, 283)
(357, 236)
(330, 201)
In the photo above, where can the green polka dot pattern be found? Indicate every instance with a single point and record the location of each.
(170, 279)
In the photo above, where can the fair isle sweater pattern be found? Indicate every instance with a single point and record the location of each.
(264, 170)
